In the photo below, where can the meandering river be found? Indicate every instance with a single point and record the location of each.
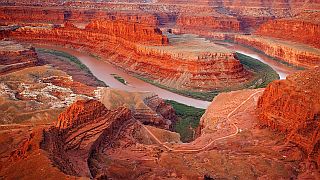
(104, 70)
(280, 68)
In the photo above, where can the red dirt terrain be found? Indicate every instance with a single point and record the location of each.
(89, 140)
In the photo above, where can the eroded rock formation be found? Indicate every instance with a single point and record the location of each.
(292, 106)
(207, 23)
(299, 30)
(59, 15)
(79, 113)
(289, 52)
(81, 131)
(145, 51)
(146, 107)
(32, 91)
(15, 56)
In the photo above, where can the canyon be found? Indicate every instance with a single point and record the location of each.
(121, 89)
(144, 53)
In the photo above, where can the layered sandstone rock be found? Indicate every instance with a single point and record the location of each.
(174, 64)
(208, 22)
(82, 130)
(79, 113)
(287, 51)
(292, 106)
(133, 32)
(146, 107)
(5, 31)
(15, 56)
(292, 30)
(59, 15)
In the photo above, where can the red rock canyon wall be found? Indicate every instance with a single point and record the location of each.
(292, 106)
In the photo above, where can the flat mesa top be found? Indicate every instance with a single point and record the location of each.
(6, 46)
(189, 46)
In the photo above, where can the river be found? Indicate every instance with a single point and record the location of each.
(282, 69)
(103, 70)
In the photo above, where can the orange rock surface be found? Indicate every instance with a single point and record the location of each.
(80, 112)
(146, 107)
(58, 15)
(290, 52)
(208, 23)
(292, 106)
(133, 32)
(82, 130)
(14, 56)
(293, 30)
(121, 43)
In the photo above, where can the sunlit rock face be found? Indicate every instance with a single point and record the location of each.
(186, 62)
(292, 106)
(289, 52)
(16, 56)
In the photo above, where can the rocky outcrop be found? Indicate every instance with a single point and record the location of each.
(125, 47)
(146, 107)
(207, 23)
(25, 147)
(15, 56)
(289, 52)
(292, 30)
(58, 15)
(82, 130)
(161, 107)
(292, 106)
(79, 113)
(133, 32)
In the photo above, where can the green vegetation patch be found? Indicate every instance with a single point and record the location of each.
(206, 96)
(188, 120)
(95, 56)
(263, 73)
(120, 79)
(273, 58)
(71, 58)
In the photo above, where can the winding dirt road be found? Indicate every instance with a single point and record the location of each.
(211, 142)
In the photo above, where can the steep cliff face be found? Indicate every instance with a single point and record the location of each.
(15, 56)
(30, 14)
(208, 23)
(292, 30)
(82, 130)
(290, 52)
(292, 106)
(138, 49)
(133, 32)
(79, 113)
(58, 15)
(146, 107)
